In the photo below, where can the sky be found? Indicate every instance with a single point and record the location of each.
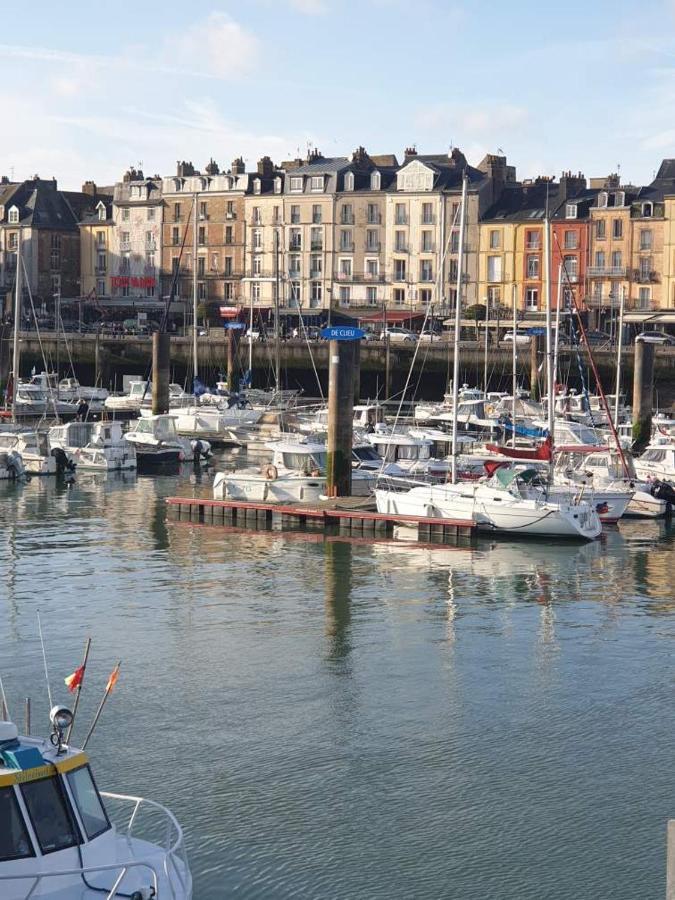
(89, 89)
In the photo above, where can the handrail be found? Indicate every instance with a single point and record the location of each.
(85, 870)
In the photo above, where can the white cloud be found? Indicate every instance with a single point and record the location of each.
(467, 122)
(219, 46)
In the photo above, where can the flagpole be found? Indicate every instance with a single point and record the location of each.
(79, 687)
(44, 660)
(109, 687)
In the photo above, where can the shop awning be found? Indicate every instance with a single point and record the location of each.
(652, 318)
(229, 312)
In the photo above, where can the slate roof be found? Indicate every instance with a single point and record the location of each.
(42, 205)
(525, 202)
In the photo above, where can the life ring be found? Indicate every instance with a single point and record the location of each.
(270, 472)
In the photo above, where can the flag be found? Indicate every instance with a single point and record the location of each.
(112, 681)
(75, 680)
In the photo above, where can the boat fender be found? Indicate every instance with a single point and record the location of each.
(271, 472)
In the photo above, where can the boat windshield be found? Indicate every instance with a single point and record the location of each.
(165, 428)
(88, 801)
(365, 453)
(305, 462)
(14, 840)
(50, 817)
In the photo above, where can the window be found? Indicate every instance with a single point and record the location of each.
(100, 287)
(494, 268)
(347, 214)
(602, 199)
(454, 242)
(101, 262)
(56, 284)
(256, 186)
(229, 213)
(315, 266)
(151, 214)
(201, 291)
(427, 214)
(345, 295)
(102, 213)
(399, 241)
(13, 241)
(294, 266)
(14, 840)
(346, 243)
(88, 801)
(375, 181)
(533, 266)
(276, 215)
(644, 297)
(13, 216)
(174, 265)
(372, 240)
(645, 239)
(316, 213)
(277, 185)
(571, 211)
(294, 295)
(345, 270)
(426, 270)
(228, 291)
(228, 234)
(427, 242)
(571, 240)
(371, 296)
(202, 210)
(600, 229)
(316, 183)
(316, 293)
(50, 817)
(647, 210)
(201, 266)
(571, 270)
(295, 239)
(532, 240)
(257, 266)
(257, 218)
(495, 240)
(373, 214)
(399, 296)
(532, 299)
(617, 259)
(349, 181)
(645, 267)
(255, 291)
(296, 184)
(400, 215)
(257, 239)
(295, 214)
(125, 215)
(55, 259)
(201, 235)
(399, 270)
(150, 260)
(599, 259)
(176, 212)
(617, 228)
(316, 239)
(494, 296)
(372, 268)
(453, 270)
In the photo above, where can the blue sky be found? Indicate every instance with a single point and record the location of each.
(91, 88)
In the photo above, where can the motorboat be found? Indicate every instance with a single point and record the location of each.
(95, 445)
(35, 450)
(212, 423)
(156, 441)
(412, 455)
(297, 473)
(139, 396)
(46, 384)
(29, 401)
(11, 466)
(505, 503)
(71, 389)
(63, 838)
(658, 460)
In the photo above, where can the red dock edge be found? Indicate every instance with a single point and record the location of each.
(245, 514)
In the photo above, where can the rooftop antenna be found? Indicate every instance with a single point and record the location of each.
(44, 660)
(11, 173)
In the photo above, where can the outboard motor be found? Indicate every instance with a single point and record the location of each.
(63, 464)
(662, 490)
(201, 449)
(15, 466)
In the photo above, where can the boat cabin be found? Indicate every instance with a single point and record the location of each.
(398, 447)
(296, 456)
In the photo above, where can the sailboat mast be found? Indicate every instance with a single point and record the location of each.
(514, 363)
(194, 289)
(17, 322)
(549, 342)
(458, 323)
(556, 338)
(277, 336)
(619, 351)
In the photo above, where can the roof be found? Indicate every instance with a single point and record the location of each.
(526, 202)
(42, 205)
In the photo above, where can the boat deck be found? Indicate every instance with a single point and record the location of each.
(349, 515)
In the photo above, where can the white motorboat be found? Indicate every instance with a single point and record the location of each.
(139, 397)
(212, 423)
(35, 450)
(658, 460)
(30, 402)
(156, 441)
(11, 466)
(296, 474)
(95, 445)
(46, 384)
(412, 455)
(506, 503)
(71, 389)
(62, 838)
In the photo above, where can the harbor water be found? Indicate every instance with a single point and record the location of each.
(333, 719)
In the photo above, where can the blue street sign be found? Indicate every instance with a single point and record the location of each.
(233, 325)
(342, 333)
(535, 331)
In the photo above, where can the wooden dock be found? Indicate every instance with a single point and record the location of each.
(331, 516)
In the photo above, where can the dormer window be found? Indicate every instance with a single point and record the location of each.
(102, 216)
(277, 185)
(571, 211)
(317, 183)
(349, 181)
(256, 186)
(177, 184)
(296, 184)
(13, 215)
(647, 210)
(602, 199)
(619, 198)
(375, 181)
(2, 212)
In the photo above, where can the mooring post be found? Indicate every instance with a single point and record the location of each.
(232, 368)
(387, 367)
(340, 418)
(161, 360)
(536, 346)
(643, 393)
(357, 371)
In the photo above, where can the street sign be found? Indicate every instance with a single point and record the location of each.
(535, 331)
(235, 326)
(342, 333)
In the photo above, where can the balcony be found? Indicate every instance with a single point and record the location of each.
(401, 249)
(401, 220)
(344, 276)
(606, 271)
(101, 270)
(294, 274)
(100, 245)
(230, 215)
(375, 219)
(316, 245)
(646, 277)
(125, 246)
(428, 248)
(428, 220)
(151, 246)
(638, 305)
(347, 219)
(533, 245)
(315, 273)
(295, 246)
(373, 247)
(346, 248)
(399, 276)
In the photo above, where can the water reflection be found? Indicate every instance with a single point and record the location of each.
(338, 580)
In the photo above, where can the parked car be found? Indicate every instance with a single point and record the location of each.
(656, 337)
(370, 336)
(430, 336)
(399, 335)
(522, 337)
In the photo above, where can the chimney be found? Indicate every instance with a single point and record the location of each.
(212, 167)
(89, 188)
(360, 158)
(410, 152)
(571, 184)
(457, 158)
(265, 167)
(184, 169)
(238, 166)
(313, 155)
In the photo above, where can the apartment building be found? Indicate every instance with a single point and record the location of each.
(204, 233)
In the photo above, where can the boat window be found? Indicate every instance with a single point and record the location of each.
(89, 803)
(144, 426)
(165, 428)
(50, 815)
(654, 455)
(14, 840)
(409, 451)
(366, 453)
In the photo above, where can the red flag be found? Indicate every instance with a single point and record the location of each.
(75, 680)
(112, 681)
